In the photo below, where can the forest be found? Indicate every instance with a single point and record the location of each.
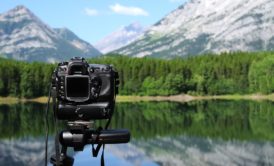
(227, 73)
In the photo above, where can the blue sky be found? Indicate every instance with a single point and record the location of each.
(91, 20)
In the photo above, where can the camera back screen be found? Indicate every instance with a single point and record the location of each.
(77, 87)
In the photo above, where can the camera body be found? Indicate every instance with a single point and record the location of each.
(84, 91)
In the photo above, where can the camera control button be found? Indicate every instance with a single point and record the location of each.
(77, 110)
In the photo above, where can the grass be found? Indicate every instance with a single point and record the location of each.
(269, 97)
(9, 100)
(186, 98)
(14, 100)
(176, 98)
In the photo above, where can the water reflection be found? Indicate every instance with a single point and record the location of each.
(184, 150)
(242, 120)
(163, 133)
(23, 151)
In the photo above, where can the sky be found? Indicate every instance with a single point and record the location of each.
(92, 20)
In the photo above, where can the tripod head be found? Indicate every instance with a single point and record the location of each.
(81, 133)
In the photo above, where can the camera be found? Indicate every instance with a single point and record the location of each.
(85, 91)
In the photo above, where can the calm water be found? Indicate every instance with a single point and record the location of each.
(163, 133)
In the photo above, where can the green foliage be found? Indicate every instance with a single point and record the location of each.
(222, 86)
(23, 79)
(261, 75)
(169, 85)
(228, 73)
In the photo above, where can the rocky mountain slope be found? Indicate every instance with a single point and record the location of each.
(23, 36)
(203, 26)
(120, 38)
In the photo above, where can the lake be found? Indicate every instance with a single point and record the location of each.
(162, 133)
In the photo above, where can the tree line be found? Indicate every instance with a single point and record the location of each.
(22, 79)
(228, 73)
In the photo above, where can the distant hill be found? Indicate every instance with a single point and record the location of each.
(23, 36)
(203, 26)
(122, 37)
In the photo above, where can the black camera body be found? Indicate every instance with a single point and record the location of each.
(84, 91)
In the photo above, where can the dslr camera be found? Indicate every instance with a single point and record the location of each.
(85, 91)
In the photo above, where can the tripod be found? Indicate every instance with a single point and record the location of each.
(81, 133)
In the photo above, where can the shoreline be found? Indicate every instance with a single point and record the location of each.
(175, 98)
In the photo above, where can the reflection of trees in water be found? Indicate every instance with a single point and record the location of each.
(224, 119)
(23, 120)
(165, 132)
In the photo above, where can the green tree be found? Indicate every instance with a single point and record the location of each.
(27, 84)
(261, 75)
(222, 86)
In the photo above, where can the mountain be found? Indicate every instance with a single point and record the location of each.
(122, 37)
(204, 26)
(23, 36)
(74, 40)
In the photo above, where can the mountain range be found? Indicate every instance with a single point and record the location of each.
(208, 26)
(197, 27)
(120, 38)
(23, 36)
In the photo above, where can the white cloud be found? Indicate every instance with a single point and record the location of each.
(128, 10)
(91, 12)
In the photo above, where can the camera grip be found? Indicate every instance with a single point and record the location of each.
(84, 112)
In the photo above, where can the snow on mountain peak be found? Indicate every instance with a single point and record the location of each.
(202, 26)
(17, 14)
(120, 38)
(136, 26)
(20, 9)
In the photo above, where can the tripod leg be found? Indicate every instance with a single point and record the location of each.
(64, 160)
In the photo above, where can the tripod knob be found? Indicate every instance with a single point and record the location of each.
(63, 161)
